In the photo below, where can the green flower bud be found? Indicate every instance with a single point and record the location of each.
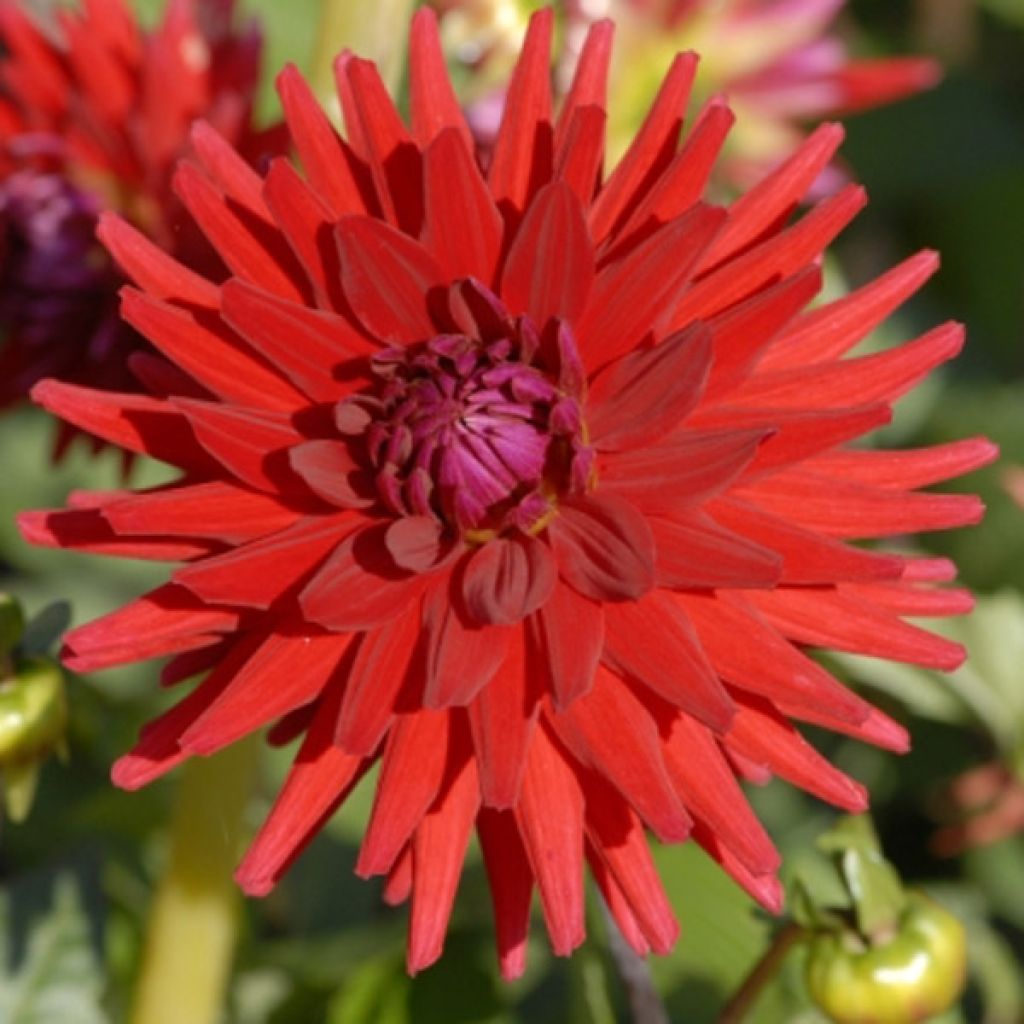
(33, 718)
(911, 975)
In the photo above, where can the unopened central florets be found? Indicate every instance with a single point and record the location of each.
(481, 435)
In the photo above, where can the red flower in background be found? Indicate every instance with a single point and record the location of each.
(94, 113)
(532, 488)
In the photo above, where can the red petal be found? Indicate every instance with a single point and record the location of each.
(635, 296)
(612, 732)
(907, 469)
(869, 83)
(461, 658)
(884, 376)
(766, 737)
(251, 444)
(415, 542)
(550, 819)
(567, 637)
(523, 148)
(604, 548)
(286, 672)
(463, 228)
(776, 195)
(386, 146)
(250, 247)
(683, 471)
(777, 258)
(549, 270)
(321, 777)
(507, 579)
(217, 510)
(618, 839)
(695, 553)
(164, 621)
(807, 556)
(325, 158)
(304, 344)
(330, 471)
(743, 333)
(650, 152)
(210, 353)
(439, 849)
(374, 681)
(433, 104)
(748, 652)
(589, 86)
(228, 170)
(841, 509)
(139, 424)
(87, 530)
(686, 178)
(359, 586)
(835, 327)
(644, 395)
(307, 224)
(150, 267)
(511, 885)
(707, 785)
(843, 621)
(653, 642)
(256, 574)
(502, 718)
(387, 278)
(578, 162)
(411, 774)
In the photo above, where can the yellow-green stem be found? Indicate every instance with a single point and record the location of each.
(375, 29)
(190, 939)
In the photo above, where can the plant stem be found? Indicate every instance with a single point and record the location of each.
(742, 1002)
(193, 922)
(645, 1003)
(375, 29)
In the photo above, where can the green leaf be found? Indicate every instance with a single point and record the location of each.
(58, 977)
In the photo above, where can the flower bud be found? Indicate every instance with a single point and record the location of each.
(33, 717)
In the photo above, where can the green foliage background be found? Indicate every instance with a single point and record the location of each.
(943, 170)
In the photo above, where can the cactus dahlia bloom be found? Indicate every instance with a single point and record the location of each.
(94, 113)
(532, 489)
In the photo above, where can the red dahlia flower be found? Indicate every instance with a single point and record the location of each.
(94, 113)
(532, 489)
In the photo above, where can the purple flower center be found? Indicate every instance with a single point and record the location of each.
(53, 272)
(484, 435)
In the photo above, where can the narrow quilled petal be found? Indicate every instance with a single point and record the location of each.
(529, 485)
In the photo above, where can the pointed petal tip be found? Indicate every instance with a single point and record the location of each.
(253, 882)
(130, 773)
(512, 964)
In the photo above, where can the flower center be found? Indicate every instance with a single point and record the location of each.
(484, 435)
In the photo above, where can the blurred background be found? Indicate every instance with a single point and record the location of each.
(944, 170)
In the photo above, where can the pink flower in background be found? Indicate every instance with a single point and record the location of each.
(780, 64)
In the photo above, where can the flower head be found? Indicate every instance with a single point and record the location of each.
(87, 121)
(530, 487)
